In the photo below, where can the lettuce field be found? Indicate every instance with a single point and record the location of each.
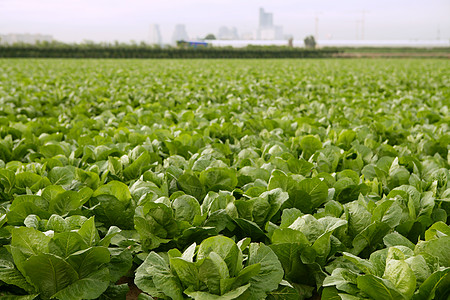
(224, 179)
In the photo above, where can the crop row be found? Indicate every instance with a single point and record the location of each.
(224, 179)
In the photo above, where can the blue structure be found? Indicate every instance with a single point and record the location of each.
(191, 44)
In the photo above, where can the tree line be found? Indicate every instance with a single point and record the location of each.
(118, 50)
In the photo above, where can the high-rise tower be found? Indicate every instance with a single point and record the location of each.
(179, 34)
(266, 29)
(155, 35)
(265, 19)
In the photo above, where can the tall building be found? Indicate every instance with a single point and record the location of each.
(226, 33)
(155, 35)
(273, 33)
(265, 19)
(267, 30)
(179, 34)
(248, 36)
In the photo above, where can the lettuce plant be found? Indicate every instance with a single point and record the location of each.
(401, 271)
(216, 269)
(66, 261)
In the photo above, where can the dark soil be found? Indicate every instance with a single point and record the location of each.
(134, 291)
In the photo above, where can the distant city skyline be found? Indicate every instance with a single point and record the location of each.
(114, 20)
(26, 38)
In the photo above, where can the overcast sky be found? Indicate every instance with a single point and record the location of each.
(125, 20)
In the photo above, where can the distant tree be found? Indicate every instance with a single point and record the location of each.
(291, 42)
(210, 36)
(310, 42)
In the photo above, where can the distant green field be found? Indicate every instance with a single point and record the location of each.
(224, 179)
(394, 49)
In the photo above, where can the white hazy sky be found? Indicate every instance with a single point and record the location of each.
(125, 20)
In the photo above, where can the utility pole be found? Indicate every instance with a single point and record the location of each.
(317, 25)
(363, 12)
(357, 29)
